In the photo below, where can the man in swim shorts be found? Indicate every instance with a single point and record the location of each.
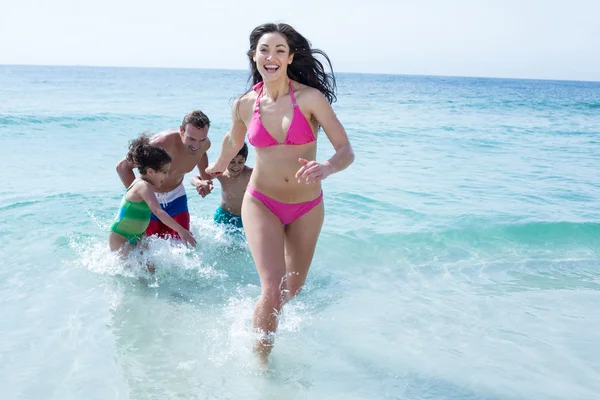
(187, 147)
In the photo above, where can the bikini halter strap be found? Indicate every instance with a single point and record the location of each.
(260, 86)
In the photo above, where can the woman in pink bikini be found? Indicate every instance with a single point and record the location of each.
(283, 207)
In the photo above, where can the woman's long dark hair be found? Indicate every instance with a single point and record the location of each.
(305, 67)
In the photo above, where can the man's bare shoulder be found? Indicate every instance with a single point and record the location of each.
(166, 138)
(207, 145)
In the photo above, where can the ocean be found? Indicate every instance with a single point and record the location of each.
(459, 257)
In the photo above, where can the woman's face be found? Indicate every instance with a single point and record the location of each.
(272, 56)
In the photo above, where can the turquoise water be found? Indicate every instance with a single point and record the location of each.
(459, 258)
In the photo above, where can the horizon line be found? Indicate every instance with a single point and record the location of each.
(335, 72)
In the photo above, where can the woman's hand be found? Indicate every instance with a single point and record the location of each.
(312, 171)
(214, 169)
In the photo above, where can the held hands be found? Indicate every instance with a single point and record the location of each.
(312, 171)
(204, 188)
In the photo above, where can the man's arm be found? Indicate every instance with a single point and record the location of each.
(202, 176)
(125, 171)
(203, 181)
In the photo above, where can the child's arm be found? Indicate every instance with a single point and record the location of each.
(146, 192)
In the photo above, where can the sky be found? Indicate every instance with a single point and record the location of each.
(544, 39)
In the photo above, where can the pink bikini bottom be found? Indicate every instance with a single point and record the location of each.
(286, 212)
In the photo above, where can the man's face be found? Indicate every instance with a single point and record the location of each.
(193, 138)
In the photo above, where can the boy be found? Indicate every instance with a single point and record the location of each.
(234, 181)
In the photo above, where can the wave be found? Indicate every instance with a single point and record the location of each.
(533, 232)
(547, 234)
(17, 203)
(20, 120)
(585, 105)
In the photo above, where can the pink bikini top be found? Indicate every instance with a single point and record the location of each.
(299, 132)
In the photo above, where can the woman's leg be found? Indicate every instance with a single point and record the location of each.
(264, 234)
(300, 242)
